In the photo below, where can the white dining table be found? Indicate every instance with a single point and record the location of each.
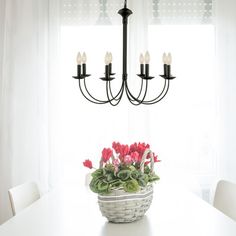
(73, 211)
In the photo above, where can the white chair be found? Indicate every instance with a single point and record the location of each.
(225, 198)
(22, 196)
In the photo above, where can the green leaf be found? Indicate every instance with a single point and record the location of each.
(147, 170)
(143, 179)
(94, 185)
(153, 177)
(116, 184)
(146, 178)
(110, 177)
(104, 171)
(132, 168)
(102, 186)
(135, 174)
(109, 168)
(142, 182)
(124, 174)
(97, 173)
(131, 186)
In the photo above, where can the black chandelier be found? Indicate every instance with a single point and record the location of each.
(144, 74)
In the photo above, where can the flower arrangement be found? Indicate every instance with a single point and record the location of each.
(120, 168)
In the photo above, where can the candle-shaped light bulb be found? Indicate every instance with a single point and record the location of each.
(84, 58)
(110, 57)
(147, 58)
(107, 62)
(79, 59)
(107, 58)
(169, 59)
(141, 59)
(164, 57)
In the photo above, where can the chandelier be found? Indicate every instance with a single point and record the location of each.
(144, 74)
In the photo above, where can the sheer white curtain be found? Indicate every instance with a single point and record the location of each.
(25, 59)
(226, 55)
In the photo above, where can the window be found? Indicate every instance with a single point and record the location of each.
(182, 129)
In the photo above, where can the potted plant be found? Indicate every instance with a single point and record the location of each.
(124, 180)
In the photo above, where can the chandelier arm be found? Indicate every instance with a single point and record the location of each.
(89, 99)
(133, 102)
(141, 89)
(114, 99)
(158, 99)
(160, 95)
(137, 98)
(97, 100)
(133, 99)
(118, 94)
(153, 101)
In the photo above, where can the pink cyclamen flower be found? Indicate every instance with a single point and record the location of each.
(116, 164)
(128, 159)
(156, 158)
(116, 146)
(88, 164)
(133, 147)
(106, 154)
(142, 147)
(124, 150)
(139, 147)
(135, 156)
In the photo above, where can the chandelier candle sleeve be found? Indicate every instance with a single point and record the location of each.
(84, 60)
(168, 62)
(110, 63)
(147, 61)
(107, 62)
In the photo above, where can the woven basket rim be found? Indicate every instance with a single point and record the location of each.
(121, 191)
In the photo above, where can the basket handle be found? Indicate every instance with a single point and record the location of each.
(147, 151)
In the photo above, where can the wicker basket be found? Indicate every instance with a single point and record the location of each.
(122, 207)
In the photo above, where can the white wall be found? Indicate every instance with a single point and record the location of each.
(226, 53)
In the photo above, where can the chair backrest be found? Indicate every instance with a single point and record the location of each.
(225, 198)
(22, 196)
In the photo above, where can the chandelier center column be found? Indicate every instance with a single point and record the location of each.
(125, 13)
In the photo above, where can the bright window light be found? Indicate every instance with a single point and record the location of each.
(183, 128)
